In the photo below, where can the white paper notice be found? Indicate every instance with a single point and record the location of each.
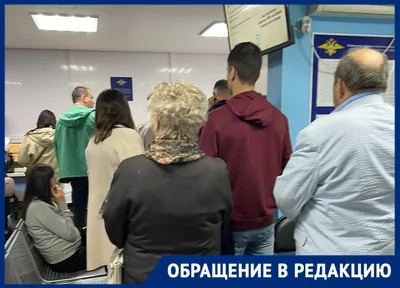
(326, 70)
(264, 25)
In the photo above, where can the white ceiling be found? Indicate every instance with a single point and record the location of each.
(144, 28)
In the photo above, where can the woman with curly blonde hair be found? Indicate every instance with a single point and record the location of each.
(172, 200)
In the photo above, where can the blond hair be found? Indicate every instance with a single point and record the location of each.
(179, 108)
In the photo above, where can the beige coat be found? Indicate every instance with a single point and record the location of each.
(102, 161)
(37, 147)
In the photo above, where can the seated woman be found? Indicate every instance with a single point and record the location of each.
(50, 223)
(172, 200)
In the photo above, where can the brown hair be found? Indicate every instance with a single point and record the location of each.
(112, 109)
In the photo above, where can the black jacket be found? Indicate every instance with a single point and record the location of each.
(217, 105)
(212, 108)
(176, 209)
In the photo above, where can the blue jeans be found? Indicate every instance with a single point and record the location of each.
(257, 242)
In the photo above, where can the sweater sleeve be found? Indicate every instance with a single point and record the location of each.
(299, 181)
(59, 222)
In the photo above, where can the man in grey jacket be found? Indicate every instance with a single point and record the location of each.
(146, 132)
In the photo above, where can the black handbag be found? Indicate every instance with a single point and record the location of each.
(9, 162)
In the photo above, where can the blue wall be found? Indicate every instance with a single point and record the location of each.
(291, 69)
(274, 93)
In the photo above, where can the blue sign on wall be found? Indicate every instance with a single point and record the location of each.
(124, 85)
(332, 47)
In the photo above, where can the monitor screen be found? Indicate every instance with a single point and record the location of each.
(267, 26)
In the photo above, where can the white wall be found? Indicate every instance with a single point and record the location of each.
(44, 79)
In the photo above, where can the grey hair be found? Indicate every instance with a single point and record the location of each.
(360, 77)
(180, 109)
(78, 92)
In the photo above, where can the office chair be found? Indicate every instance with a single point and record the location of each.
(284, 236)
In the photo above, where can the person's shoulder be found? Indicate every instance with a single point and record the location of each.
(325, 128)
(278, 114)
(219, 117)
(128, 134)
(218, 112)
(213, 165)
(91, 114)
(27, 138)
(133, 162)
(37, 207)
(137, 165)
(386, 110)
(145, 125)
(318, 125)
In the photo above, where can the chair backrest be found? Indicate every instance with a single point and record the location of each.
(46, 274)
(19, 223)
(10, 275)
(39, 262)
(9, 241)
(20, 267)
(284, 236)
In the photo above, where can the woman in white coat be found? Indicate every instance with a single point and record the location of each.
(114, 140)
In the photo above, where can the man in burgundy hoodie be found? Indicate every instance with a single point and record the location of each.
(252, 137)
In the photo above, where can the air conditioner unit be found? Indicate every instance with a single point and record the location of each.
(370, 11)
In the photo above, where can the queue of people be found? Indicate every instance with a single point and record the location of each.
(169, 189)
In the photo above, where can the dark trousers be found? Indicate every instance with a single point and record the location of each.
(76, 262)
(80, 195)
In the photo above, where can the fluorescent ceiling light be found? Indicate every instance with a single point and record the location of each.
(216, 29)
(66, 23)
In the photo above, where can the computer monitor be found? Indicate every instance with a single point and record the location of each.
(267, 26)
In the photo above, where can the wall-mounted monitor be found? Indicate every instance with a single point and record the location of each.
(267, 26)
